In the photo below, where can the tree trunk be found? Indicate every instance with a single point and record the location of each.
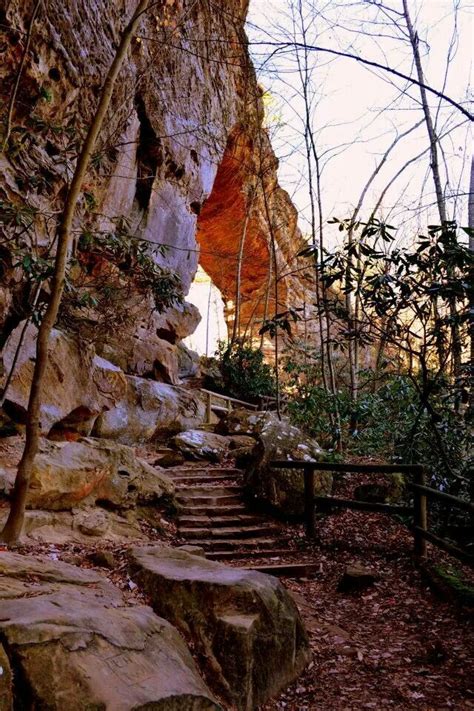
(14, 524)
(238, 278)
(456, 346)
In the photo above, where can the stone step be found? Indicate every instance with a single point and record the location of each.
(200, 479)
(208, 501)
(257, 553)
(224, 509)
(211, 521)
(238, 532)
(224, 544)
(207, 471)
(230, 490)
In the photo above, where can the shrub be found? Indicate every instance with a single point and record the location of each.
(246, 376)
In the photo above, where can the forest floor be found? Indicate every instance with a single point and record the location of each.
(394, 645)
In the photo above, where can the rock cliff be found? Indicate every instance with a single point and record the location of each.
(181, 163)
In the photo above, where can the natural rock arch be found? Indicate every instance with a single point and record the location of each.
(237, 205)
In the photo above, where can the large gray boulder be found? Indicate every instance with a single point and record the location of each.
(150, 411)
(243, 624)
(75, 644)
(78, 384)
(144, 355)
(70, 474)
(281, 489)
(177, 322)
(151, 346)
(199, 444)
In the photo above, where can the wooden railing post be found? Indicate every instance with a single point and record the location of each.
(309, 501)
(420, 514)
(208, 408)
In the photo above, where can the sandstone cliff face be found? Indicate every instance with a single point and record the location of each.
(182, 158)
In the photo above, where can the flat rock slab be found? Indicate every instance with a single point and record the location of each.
(75, 644)
(243, 623)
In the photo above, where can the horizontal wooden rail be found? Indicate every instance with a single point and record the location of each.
(349, 468)
(332, 501)
(227, 398)
(445, 545)
(418, 511)
(443, 496)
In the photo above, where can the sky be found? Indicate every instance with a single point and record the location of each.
(357, 112)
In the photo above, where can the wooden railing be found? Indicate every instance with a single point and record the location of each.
(213, 399)
(418, 511)
(268, 403)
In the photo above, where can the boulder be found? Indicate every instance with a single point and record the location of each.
(188, 362)
(199, 444)
(68, 474)
(281, 489)
(357, 577)
(78, 384)
(211, 373)
(243, 624)
(75, 644)
(151, 346)
(241, 442)
(93, 523)
(177, 322)
(242, 449)
(243, 422)
(145, 355)
(168, 458)
(389, 491)
(150, 411)
(60, 527)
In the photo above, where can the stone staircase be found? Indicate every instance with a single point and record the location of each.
(213, 514)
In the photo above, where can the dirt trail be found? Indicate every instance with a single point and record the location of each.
(395, 646)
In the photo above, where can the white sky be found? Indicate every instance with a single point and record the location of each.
(354, 105)
(355, 117)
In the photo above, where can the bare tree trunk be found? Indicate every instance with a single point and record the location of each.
(276, 295)
(267, 295)
(238, 279)
(309, 142)
(208, 316)
(321, 302)
(440, 199)
(14, 524)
